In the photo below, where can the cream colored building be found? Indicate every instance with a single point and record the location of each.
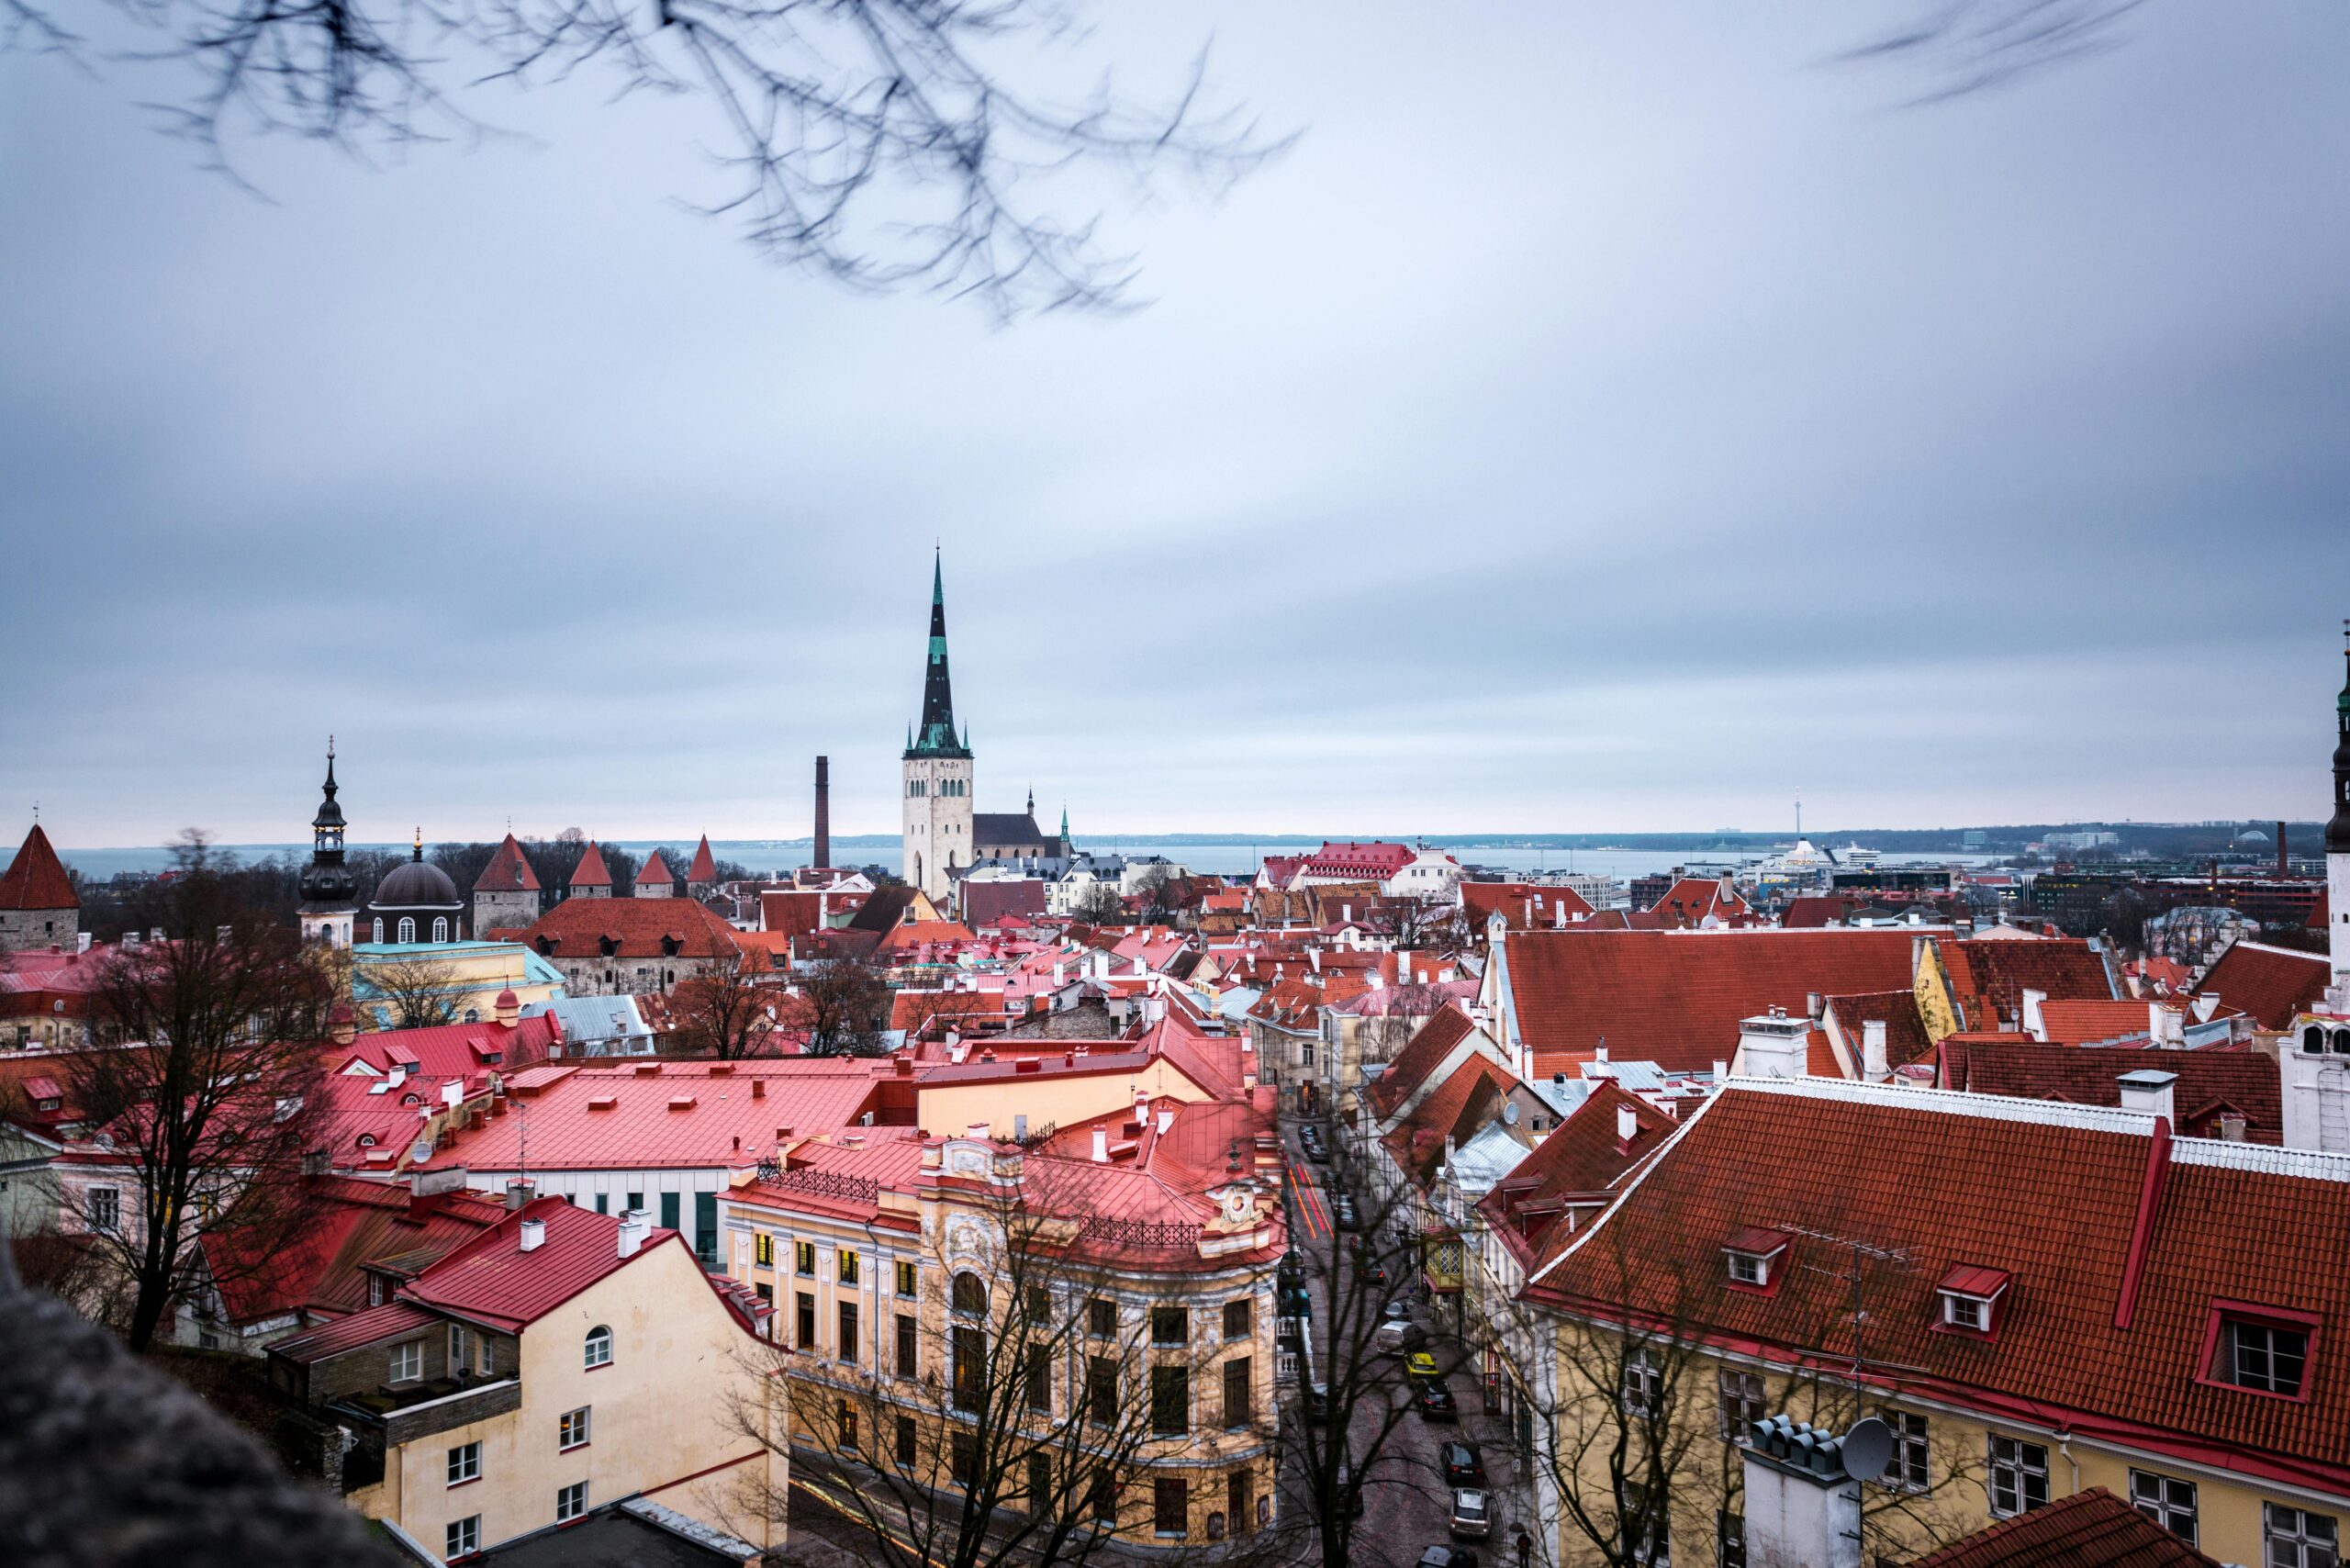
(561, 1362)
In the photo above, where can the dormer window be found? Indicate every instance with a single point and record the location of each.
(2262, 1349)
(1753, 1256)
(1972, 1300)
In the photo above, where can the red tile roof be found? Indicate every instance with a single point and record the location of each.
(1375, 861)
(391, 1320)
(1675, 997)
(2271, 983)
(1583, 1156)
(2210, 1082)
(348, 1223)
(491, 1279)
(1692, 900)
(1810, 913)
(578, 928)
(1421, 1054)
(704, 867)
(591, 871)
(2088, 1530)
(2096, 1023)
(1528, 906)
(509, 871)
(1905, 1032)
(727, 1121)
(2119, 1238)
(654, 870)
(451, 1051)
(1990, 975)
(1467, 1100)
(36, 879)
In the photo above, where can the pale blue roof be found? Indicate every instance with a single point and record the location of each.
(594, 1018)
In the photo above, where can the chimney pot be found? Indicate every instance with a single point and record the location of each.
(633, 1228)
(1101, 1145)
(2149, 1091)
(1628, 1123)
(534, 1235)
(519, 1193)
(1873, 1063)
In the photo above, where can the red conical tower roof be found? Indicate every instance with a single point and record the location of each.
(509, 871)
(590, 872)
(36, 879)
(704, 868)
(656, 870)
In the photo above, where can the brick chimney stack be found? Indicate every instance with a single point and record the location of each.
(823, 847)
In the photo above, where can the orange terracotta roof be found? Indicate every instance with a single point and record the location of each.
(578, 928)
(1990, 975)
(2212, 1084)
(36, 879)
(2273, 984)
(509, 871)
(591, 871)
(705, 867)
(2088, 1530)
(1422, 1054)
(654, 869)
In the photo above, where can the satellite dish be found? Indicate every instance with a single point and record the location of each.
(1509, 1113)
(1867, 1449)
(421, 1151)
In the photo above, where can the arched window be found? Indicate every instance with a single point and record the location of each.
(599, 1347)
(379, 929)
(970, 1295)
(2313, 1040)
(407, 929)
(440, 928)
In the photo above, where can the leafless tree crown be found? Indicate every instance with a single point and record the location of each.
(878, 141)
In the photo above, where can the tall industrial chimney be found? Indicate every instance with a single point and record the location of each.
(2282, 869)
(823, 849)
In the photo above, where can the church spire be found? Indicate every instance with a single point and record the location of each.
(936, 736)
(2337, 832)
(327, 884)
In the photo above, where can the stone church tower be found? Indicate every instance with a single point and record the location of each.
(328, 887)
(2337, 841)
(938, 770)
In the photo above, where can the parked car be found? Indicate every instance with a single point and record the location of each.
(1437, 1402)
(1448, 1557)
(1316, 1153)
(1421, 1367)
(1350, 1503)
(1398, 1335)
(1395, 1311)
(1463, 1465)
(1374, 1271)
(1472, 1518)
(1343, 1212)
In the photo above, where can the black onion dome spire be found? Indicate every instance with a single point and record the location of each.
(327, 881)
(936, 736)
(2337, 832)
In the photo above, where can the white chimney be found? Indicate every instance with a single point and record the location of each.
(633, 1228)
(1873, 1064)
(2034, 1024)
(1772, 1045)
(2170, 1026)
(1802, 1509)
(534, 1235)
(1628, 1123)
(976, 1129)
(1166, 1120)
(2148, 1090)
(1721, 1070)
(1558, 915)
(1101, 1145)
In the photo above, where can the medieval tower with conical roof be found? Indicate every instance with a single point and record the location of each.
(938, 778)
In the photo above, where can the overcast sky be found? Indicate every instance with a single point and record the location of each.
(1603, 420)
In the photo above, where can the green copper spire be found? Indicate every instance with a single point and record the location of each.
(936, 736)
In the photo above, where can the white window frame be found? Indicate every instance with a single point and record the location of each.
(2015, 1471)
(570, 1502)
(465, 1463)
(2168, 1500)
(1643, 1383)
(1757, 1267)
(2298, 1538)
(2231, 1359)
(110, 1219)
(1738, 1392)
(599, 1337)
(567, 1437)
(462, 1538)
(1972, 1313)
(405, 1362)
(1910, 1442)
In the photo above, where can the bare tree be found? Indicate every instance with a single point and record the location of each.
(420, 993)
(726, 1012)
(1970, 46)
(846, 1006)
(875, 141)
(217, 1110)
(1100, 904)
(1004, 1417)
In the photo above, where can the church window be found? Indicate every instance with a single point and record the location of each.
(440, 928)
(407, 929)
(379, 930)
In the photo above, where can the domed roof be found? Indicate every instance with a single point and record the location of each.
(417, 885)
(507, 999)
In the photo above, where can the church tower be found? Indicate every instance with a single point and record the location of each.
(937, 769)
(327, 887)
(2337, 837)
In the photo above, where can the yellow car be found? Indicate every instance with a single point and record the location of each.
(1420, 1366)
